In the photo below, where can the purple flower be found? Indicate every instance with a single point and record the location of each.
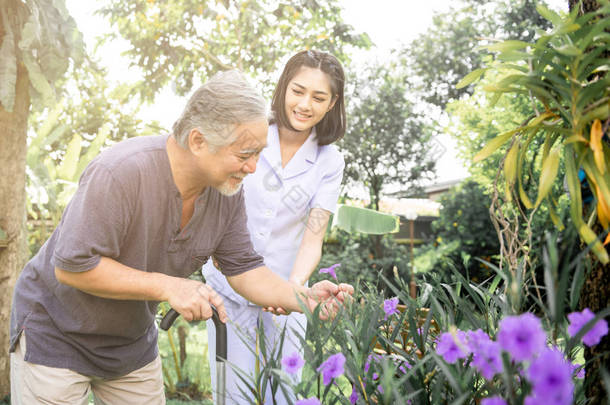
(403, 369)
(332, 367)
(488, 359)
(293, 363)
(551, 377)
(579, 319)
(530, 400)
(452, 347)
(389, 307)
(331, 270)
(493, 401)
(308, 401)
(354, 397)
(476, 338)
(522, 336)
(367, 364)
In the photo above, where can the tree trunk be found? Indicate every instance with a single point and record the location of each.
(595, 294)
(13, 147)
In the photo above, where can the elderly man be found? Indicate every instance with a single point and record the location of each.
(147, 213)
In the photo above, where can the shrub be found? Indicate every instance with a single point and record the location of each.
(457, 342)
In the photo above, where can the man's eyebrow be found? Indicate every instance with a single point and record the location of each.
(316, 91)
(253, 150)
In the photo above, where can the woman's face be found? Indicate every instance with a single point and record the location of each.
(308, 98)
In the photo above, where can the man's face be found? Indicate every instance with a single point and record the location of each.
(231, 163)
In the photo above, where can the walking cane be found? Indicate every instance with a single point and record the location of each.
(221, 349)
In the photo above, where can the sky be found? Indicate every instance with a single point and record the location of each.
(389, 23)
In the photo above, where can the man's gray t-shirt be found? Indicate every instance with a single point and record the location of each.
(128, 208)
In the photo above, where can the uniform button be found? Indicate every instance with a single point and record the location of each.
(268, 213)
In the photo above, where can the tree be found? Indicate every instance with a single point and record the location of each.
(38, 39)
(387, 141)
(448, 51)
(464, 224)
(181, 41)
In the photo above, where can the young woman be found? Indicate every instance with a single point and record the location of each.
(289, 200)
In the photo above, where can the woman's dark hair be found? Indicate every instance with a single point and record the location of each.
(332, 127)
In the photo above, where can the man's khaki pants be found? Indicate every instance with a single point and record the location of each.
(36, 384)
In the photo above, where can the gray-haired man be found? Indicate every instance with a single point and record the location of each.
(148, 212)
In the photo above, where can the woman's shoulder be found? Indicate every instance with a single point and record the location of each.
(329, 154)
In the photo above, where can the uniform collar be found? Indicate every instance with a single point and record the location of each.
(300, 162)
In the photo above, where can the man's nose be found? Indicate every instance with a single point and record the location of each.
(250, 164)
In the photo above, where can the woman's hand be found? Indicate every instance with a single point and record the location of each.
(330, 296)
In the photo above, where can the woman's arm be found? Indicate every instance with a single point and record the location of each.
(310, 250)
(265, 288)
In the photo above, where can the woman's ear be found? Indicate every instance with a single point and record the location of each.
(196, 141)
(332, 103)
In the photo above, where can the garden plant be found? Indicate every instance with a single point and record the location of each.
(508, 339)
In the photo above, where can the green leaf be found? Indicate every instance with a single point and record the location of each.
(566, 29)
(510, 164)
(36, 149)
(492, 288)
(548, 175)
(38, 80)
(93, 149)
(549, 14)
(573, 186)
(569, 50)
(590, 238)
(30, 33)
(577, 282)
(67, 169)
(364, 220)
(470, 78)
(507, 46)
(494, 144)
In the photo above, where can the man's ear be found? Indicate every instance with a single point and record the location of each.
(196, 141)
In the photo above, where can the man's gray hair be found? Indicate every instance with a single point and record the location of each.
(216, 108)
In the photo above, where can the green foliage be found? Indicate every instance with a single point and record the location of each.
(447, 51)
(184, 357)
(387, 141)
(391, 359)
(64, 138)
(182, 41)
(563, 71)
(43, 37)
(462, 233)
(360, 263)
(475, 122)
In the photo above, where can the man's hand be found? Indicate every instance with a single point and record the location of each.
(330, 295)
(192, 300)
